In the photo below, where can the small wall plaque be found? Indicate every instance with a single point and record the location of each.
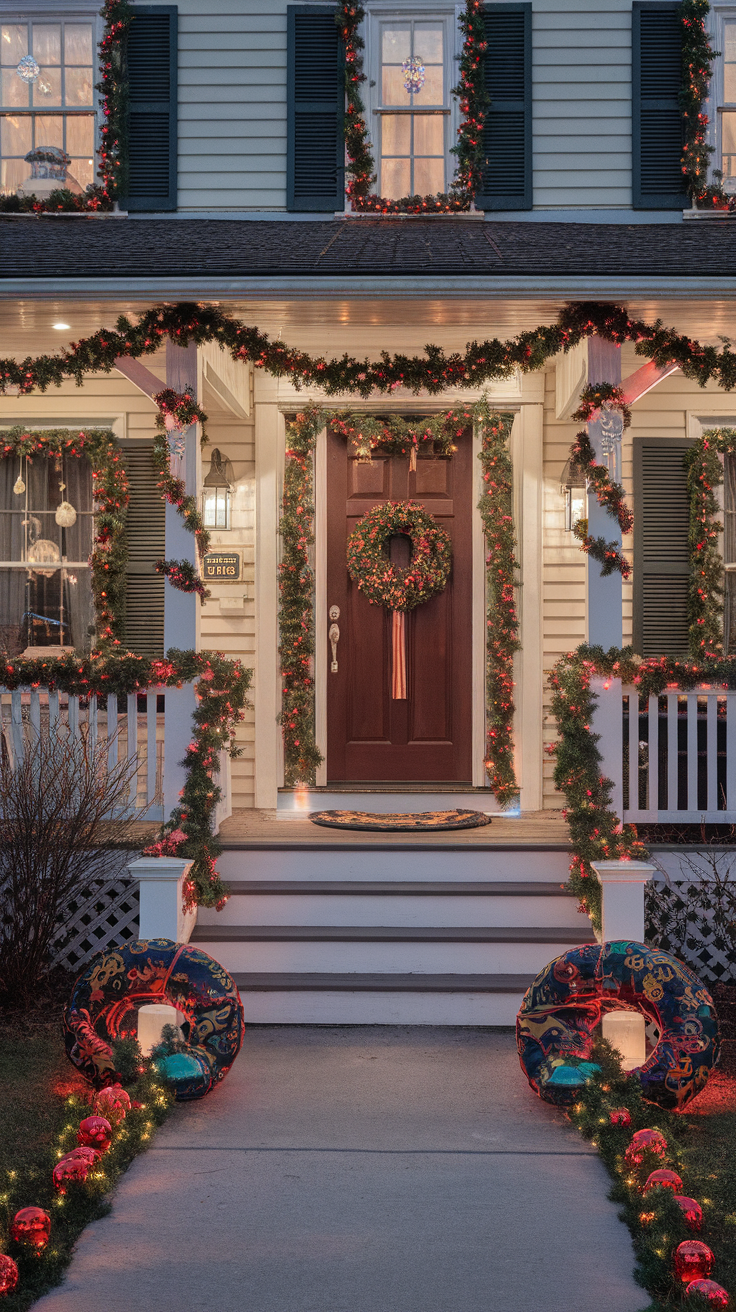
(221, 566)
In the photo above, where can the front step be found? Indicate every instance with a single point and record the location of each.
(339, 927)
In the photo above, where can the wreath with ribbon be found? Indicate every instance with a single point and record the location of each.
(399, 589)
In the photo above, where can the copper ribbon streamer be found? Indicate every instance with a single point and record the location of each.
(398, 655)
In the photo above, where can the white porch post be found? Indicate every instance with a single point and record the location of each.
(181, 609)
(605, 596)
(161, 883)
(607, 720)
(269, 467)
(623, 884)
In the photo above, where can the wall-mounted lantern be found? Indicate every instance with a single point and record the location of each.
(218, 491)
(574, 489)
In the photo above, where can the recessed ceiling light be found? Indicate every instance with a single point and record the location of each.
(61, 326)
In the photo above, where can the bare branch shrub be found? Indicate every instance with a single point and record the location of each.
(65, 819)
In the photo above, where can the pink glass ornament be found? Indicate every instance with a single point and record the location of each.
(693, 1261)
(85, 1154)
(716, 1295)
(95, 1132)
(692, 1211)
(663, 1179)
(645, 1141)
(620, 1117)
(113, 1103)
(31, 1227)
(8, 1274)
(70, 1170)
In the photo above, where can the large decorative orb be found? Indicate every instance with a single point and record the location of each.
(8, 1274)
(113, 1103)
(27, 69)
(31, 1227)
(691, 1210)
(95, 1132)
(710, 1290)
(70, 1170)
(85, 1154)
(663, 1180)
(643, 1142)
(693, 1261)
(620, 1116)
(65, 515)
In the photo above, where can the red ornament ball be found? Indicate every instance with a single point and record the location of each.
(70, 1170)
(95, 1132)
(113, 1103)
(663, 1179)
(693, 1261)
(31, 1227)
(8, 1274)
(620, 1117)
(692, 1211)
(85, 1154)
(715, 1294)
(645, 1141)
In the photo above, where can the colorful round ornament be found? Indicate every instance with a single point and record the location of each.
(662, 1179)
(691, 1210)
(113, 1102)
(385, 584)
(8, 1274)
(70, 1170)
(95, 1132)
(643, 1142)
(693, 1260)
(620, 1116)
(31, 1227)
(710, 1290)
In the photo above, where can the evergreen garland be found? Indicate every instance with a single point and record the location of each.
(697, 70)
(393, 435)
(183, 575)
(502, 626)
(360, 169)
(221, 692)
(433, 372)
(177, 411)
(609, 494)
(113, 168)
(705, 588)
(110, 498)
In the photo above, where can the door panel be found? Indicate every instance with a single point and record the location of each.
(427, 737)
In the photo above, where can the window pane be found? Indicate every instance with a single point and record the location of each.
(78, 43)
(47, 43)
(396, 134)
(78, 86)
(50, 130)
(428, 42)
(47, 88)
(429, 176)
(429, 134)
(13, 173)
(396, 45)
(13, 43)
(15, 134)
(433, 91)
(395, 178)
(80, 134)
(728, 148)
(393, 91)
(80, 171)
(14, 92)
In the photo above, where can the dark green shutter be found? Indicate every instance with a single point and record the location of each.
(146, 543)
(507, 135)
(152, 126)
(315, 106)
(657, 122)
(661, 562)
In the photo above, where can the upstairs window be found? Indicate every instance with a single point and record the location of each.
(413, 76)
(47, 106)
(723, 94)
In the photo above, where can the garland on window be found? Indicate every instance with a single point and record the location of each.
(433, 372)
(697, 70)
(610, 495)
(296, 586)
(113, 167)
(360, 171)
(221, 693)
(110, 499)
(705, 588)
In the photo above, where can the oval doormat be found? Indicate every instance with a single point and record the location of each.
(397, 821)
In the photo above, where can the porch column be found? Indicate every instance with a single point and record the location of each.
(605, 595)
(267, 690)
(181, 614)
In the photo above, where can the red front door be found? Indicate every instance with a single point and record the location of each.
(426, 737)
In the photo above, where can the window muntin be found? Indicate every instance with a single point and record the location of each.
(45, 585)
(47, 113)
(413, 75)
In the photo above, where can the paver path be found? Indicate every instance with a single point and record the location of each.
(366, 1169)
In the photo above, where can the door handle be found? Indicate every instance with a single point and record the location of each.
(334, 637)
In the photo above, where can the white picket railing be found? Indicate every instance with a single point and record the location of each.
(129, 731)
(672, 757)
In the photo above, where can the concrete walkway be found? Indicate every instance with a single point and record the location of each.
(371, 1169)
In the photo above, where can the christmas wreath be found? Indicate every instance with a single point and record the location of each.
(385, 584)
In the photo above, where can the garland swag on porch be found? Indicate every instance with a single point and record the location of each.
(609, 494)
(705, 589)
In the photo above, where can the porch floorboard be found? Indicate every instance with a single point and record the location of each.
(264, 829)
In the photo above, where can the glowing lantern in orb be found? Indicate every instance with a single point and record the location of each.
(710, 1290)
(8, 1274)
(31, 1227)
(693, 1261)
(95, 1132)
(691, 1210)
(663, 1180)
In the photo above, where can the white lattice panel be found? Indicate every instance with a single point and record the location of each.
(703, 948)
(103, 915)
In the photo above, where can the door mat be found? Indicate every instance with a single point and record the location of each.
(400, 822)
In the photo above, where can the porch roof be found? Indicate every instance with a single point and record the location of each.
(60, 248)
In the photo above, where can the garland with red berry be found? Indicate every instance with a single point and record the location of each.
(388, 585)
(360, 171)
(609, 494)
(705, 590)
(110, 502)
(697, 70)
(177, 411)
(183, 575)
(113, 166)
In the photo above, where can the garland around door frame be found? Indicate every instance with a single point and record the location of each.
(705, 592)
(296, 580)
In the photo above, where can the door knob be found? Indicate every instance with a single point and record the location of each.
(334, 637)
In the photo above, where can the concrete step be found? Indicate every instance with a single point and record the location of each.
(318, 998)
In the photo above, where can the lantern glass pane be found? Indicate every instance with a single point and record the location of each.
(216, 508)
